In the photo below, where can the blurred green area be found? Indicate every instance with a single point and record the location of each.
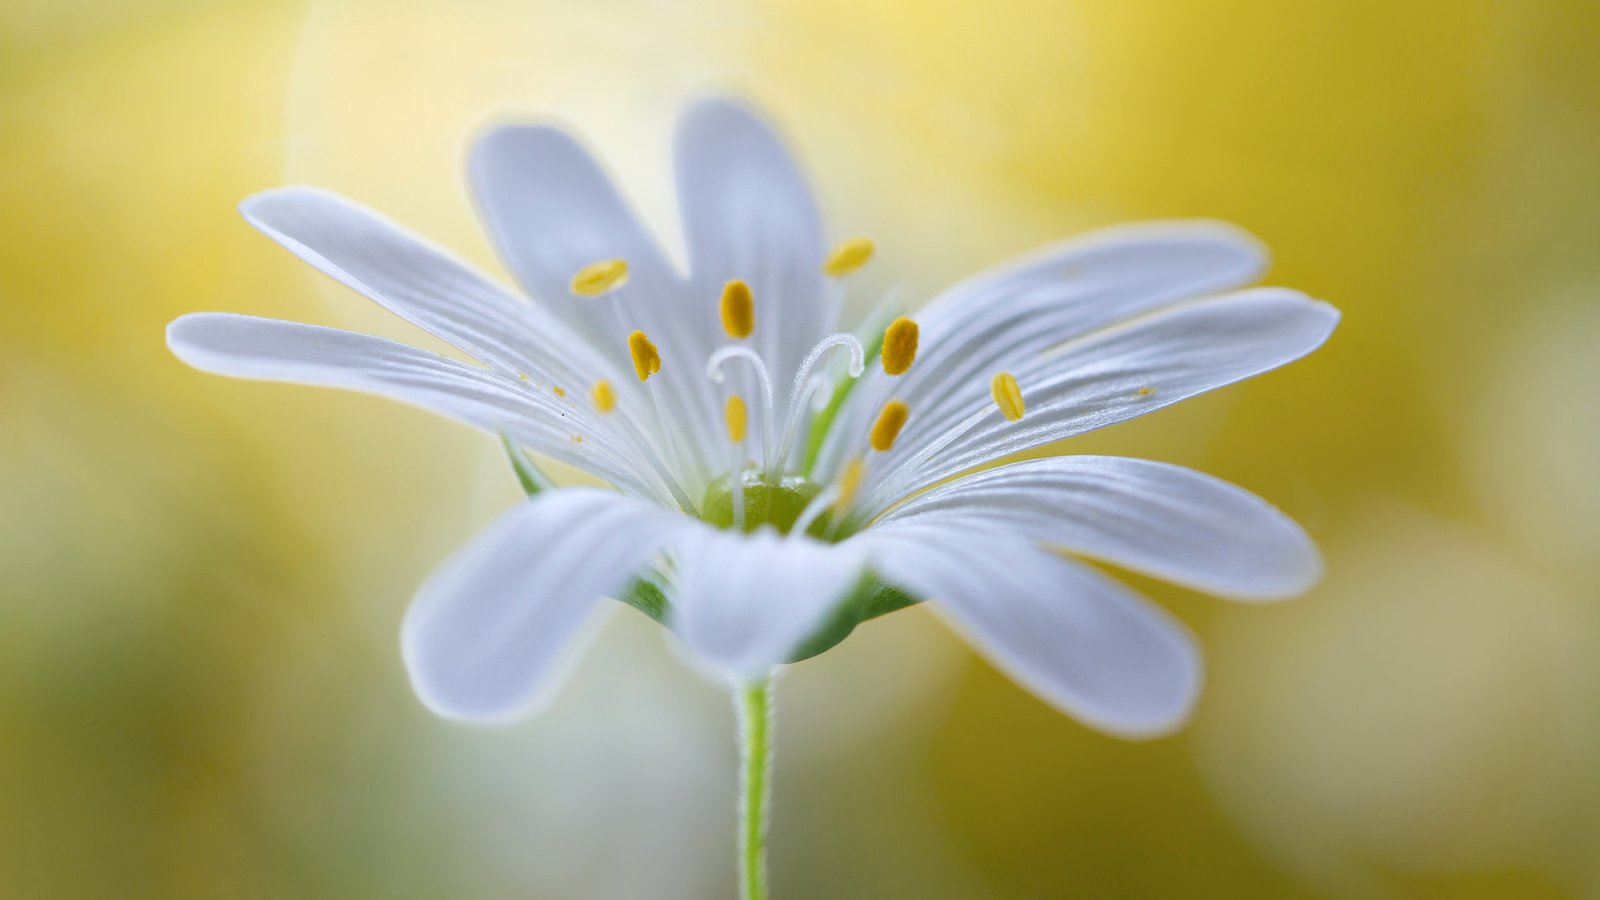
(201, 580)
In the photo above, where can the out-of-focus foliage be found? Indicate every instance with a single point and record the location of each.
(201, 580)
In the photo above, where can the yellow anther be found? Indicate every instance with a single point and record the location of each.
(603, 395)
(1007, 395)
(522, 376)
(738, 309)
(576, 439)
(890, 421)
(646, 360)
(899, 346)
(600, 277)
(848, 257)
(559, 390)
(849, 484)
(1146, 391)
(735, 414)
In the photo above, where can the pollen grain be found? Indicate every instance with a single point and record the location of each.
(603, 395)
(600, 278)
(899, 346)
(646, 359)
(738, 309)
(1007, 395)
(890, 420)
(848, 257)
(736, 416)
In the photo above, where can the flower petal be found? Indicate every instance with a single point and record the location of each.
(1164, 520)
(745, 602)
(1075, 638)
(483, 634)
(1110, 376)
(748, 214)
(552, 210)
(998, 319)
(420, 282)
(275, 350)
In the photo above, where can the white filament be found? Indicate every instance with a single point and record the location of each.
(824, 499)
(714, 372)
(803, 384)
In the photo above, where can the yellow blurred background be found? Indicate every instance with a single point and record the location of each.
(201, 580)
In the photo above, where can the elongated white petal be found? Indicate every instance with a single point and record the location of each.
(424, 284)
(1007, 315)
(275, 350)
(1111, 376)
(552, 210)
(1164, 520)
(483, 634)
(748, 214)
(745, 602)
(1075, 638)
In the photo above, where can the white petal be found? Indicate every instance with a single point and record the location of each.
(1110, 376)
(748, 213)
(275, 350)
(1007, 315)
(552, 210)
(745, 602)
(1078, 640)
(1164, 520)
(485, 631)
(422, 283)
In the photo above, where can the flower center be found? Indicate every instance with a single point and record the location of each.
(765, 503)
(768, 491)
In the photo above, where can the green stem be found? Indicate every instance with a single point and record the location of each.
(754, 700)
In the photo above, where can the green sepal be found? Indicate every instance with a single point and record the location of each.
(647, 597)
(871, 598)
(528, 475)
(643, 594)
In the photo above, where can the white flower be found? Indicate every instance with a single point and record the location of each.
(844, 504)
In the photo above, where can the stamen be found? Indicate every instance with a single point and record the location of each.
(714, 372)
(824, 500)
(558, 390)
(848, 257)
(849, 484)
(1007, 395)
(899, 346)
(1146, 391)
(835, 498)
(890, 420)
(600, 278)
(646, 359)
(603, 395)
(738, 309)
(803, 382)
(736, 416)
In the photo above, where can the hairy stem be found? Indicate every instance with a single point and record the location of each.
(754, 701)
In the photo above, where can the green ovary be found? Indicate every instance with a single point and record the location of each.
(778, 505)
